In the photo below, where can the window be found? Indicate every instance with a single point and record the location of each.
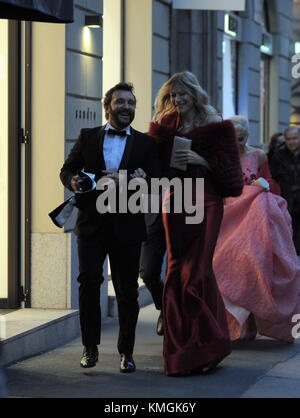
(264, 98)
(230, 76)
(265, 65)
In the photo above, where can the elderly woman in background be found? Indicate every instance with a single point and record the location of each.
(196, 335)
(255, 262)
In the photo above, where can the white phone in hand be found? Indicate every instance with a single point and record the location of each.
(181, 144)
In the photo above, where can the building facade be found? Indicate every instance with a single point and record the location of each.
(243, 60)
(52, 84)
(295, 117)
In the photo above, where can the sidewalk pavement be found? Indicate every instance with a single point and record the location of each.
(255, 369)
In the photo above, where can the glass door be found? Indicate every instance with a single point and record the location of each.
(3, 161)
(9, 165)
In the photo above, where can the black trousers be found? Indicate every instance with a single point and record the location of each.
(152, 255)
(124, 263)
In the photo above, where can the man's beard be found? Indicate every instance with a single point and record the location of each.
(114, 116)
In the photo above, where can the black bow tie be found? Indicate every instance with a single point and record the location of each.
(115, 132)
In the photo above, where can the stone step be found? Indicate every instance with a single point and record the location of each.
(28, 332)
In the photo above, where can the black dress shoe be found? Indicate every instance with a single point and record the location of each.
(127, 364)
(160, 325)
(89, 357)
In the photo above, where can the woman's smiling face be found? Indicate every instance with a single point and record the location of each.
(181, 100)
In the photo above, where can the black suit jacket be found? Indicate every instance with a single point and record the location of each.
(87, 154)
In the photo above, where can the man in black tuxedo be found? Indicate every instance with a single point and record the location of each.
(104, 151)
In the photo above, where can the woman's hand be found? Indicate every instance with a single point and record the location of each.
(190, 157)
(263, 185)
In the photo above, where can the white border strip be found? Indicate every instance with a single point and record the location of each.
(234, 5)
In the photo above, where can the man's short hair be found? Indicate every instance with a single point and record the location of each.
(120, 86)
(291, 128)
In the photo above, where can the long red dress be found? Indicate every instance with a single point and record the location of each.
(195, 327)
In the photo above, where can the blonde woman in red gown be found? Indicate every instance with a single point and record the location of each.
(196, 336)
(255, 261)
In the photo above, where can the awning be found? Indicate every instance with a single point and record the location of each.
(56, 11)
(233, 5)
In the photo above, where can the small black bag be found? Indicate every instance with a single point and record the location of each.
(84, 198)
(61, 214)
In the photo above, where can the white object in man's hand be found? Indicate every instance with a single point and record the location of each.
(77, 187)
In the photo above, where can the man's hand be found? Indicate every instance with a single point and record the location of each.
(140, 173)
(74, 184)
(113, 175)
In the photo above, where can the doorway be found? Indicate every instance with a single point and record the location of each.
(14, 115)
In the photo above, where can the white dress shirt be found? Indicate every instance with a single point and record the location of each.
(113, 148)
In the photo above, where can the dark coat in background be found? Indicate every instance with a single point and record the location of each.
(285, 169)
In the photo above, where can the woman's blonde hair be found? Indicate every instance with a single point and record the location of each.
(189, 83)
(241, 124)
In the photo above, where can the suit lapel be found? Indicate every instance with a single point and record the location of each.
(128, 150)
(99, 154)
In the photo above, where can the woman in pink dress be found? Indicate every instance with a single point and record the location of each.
(255, 262)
